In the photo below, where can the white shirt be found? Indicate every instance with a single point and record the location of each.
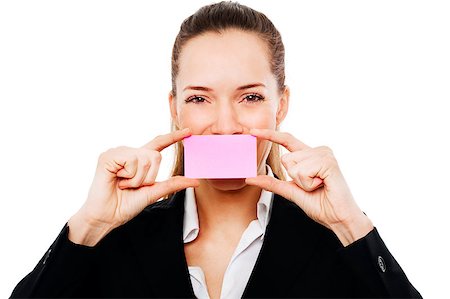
(244, 257)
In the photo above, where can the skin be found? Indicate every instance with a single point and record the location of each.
(221, 78)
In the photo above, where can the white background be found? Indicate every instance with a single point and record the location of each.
(370, 79)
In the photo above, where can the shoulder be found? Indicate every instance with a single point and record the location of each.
(160, 218)
(285, 211)
(164, 207)
(162, 211)
(287, 218)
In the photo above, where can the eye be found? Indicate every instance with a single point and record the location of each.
(195, 99)
(253, 98)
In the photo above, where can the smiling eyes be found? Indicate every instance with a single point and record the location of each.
(251, 98)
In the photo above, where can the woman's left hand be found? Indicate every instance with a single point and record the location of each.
(318, 186)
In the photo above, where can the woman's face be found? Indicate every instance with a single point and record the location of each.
(225, 86)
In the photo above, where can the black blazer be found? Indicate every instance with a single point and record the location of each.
(145, 258)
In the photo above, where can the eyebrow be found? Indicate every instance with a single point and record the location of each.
(204, 88)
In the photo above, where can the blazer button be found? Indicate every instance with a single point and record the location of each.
(381, 264)
(46, 256)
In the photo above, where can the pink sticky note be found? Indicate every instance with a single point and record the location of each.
(220, 156)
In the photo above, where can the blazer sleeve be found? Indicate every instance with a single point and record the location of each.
(65, 270)
(370, 260)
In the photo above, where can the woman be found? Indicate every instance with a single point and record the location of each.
(220, 238)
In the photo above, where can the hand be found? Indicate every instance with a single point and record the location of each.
(124, 184)
(318, 186)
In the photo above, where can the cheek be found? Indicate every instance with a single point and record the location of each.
(195, 119)
(264, 117)
(263, 120)
(259, 120)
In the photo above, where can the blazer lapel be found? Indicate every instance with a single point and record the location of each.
(290, 239)
(159, 246)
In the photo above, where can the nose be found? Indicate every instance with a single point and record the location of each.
(226, 120)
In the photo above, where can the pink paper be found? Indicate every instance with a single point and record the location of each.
(220, 156)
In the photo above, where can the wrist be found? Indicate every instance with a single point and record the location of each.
(85, 231)
(353, 229)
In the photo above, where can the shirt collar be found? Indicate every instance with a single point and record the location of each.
(190, 221)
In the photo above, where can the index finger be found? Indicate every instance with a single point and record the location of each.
(162, 141)
(287, 140)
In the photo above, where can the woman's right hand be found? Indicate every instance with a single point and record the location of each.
(124, 184)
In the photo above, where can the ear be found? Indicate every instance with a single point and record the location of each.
(283, 106)
(173, 109)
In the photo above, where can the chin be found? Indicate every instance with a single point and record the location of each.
(227, 184)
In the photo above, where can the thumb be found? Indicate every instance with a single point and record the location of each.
(171, 185)
(283, 188)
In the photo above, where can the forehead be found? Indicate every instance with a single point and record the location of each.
(229, 56)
